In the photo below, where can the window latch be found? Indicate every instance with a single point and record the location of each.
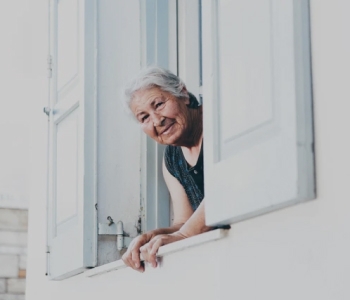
(115, 229)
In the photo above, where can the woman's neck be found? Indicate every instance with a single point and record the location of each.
(194, 134)
(192, 147)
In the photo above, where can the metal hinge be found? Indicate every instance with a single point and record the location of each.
(115, 229)
(48, 250)
(49, 66)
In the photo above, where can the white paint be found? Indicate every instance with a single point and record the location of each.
(300, 252)
(251, 128)
(17, 96)
(72, 217)
(118, 173)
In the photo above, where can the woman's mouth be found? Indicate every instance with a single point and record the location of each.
(167, 129)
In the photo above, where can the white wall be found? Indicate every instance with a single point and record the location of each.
(18, 77)
(299, 252)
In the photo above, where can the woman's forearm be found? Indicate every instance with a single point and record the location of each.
(195, 224)
(167, 230)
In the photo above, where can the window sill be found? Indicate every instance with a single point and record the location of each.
(164, 250)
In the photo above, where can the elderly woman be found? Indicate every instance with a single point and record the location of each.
(172, 116)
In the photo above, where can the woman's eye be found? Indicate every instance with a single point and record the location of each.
(159, 104)
(144, 118)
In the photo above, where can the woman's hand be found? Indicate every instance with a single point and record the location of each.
(132, 256)
(193, 226)
(149, 250)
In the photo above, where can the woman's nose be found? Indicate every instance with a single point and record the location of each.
(158, 120)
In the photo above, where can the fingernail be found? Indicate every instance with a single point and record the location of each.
(137, 265)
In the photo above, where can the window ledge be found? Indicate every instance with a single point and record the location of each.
(164, 250)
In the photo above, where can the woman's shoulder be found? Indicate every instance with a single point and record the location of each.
(169, 150)
(171, 153)
(171, 157)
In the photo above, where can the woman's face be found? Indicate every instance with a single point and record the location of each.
(162, 116)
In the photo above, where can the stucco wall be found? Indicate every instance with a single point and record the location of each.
(296, 253)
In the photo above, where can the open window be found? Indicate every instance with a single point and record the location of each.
(249, 62)
(172, 40)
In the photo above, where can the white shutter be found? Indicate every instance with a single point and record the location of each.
(257, 115)
(72, 141)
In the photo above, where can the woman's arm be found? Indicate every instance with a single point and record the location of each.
(182, 212)
(193, 223)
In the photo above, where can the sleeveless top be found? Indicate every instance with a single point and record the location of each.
(191, 178)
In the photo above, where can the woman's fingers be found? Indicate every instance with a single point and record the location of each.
(145, 252)
(132, 256)
(149, 251)
(153, 252)
(135, 258)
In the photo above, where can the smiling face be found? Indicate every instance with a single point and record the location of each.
(162, 116)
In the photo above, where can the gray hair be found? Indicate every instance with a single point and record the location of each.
(156, 77)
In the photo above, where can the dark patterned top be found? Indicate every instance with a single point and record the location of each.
(191, 178)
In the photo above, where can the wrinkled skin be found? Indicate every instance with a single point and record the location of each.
(165, 118)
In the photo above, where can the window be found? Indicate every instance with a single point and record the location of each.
(250, 61)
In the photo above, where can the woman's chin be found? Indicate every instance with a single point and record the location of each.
(168, 140)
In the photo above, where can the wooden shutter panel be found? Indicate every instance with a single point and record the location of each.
(258, 110)
(72, 156)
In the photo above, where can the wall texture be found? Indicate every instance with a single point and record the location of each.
(299, 252)
(13, 253)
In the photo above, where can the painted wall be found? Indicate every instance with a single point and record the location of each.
(16, 70)
(296, 253)
(22, 72)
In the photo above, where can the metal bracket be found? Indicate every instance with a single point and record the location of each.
(47, 111)
(115, 229)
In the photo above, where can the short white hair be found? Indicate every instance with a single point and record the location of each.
(154, 76)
